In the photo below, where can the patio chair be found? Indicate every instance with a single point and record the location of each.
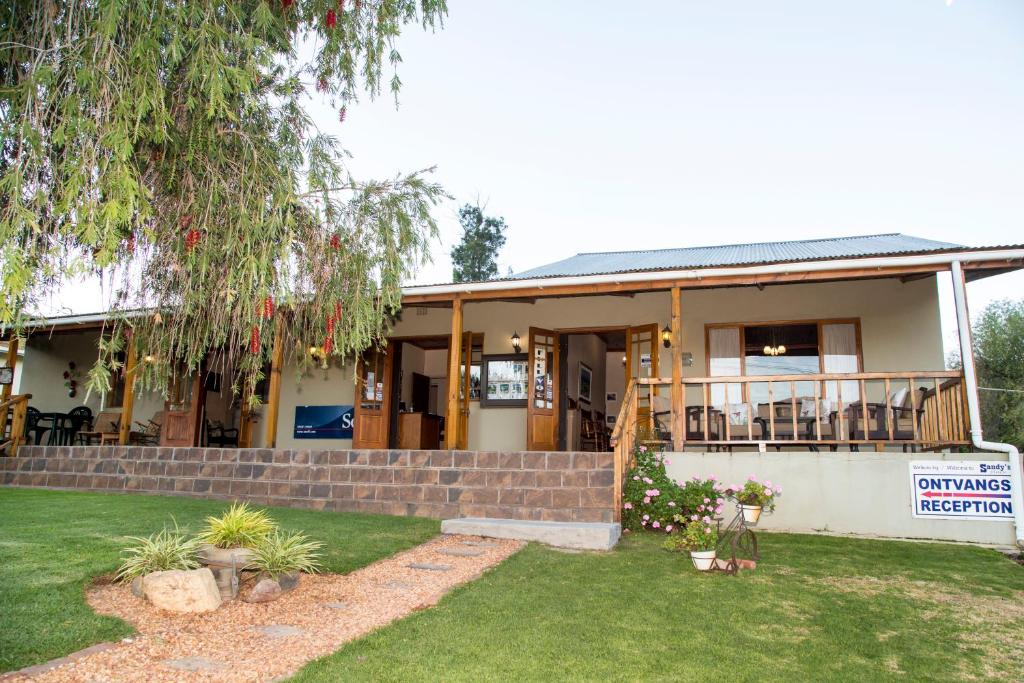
(106, 430)
(695, 424)
(589, 440)
(148, 432)
(219, 435)
(33, 432)
(81, 418)
(903, 416)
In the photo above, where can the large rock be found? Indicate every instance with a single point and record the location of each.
(182, 591)
(267, 590)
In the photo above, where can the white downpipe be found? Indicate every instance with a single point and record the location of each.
(967, 359)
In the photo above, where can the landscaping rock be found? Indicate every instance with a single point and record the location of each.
(194, 664)
(267, 590)
(182, 591)
(279, 630)
(336, 605)
(461, 552)
(136, 586)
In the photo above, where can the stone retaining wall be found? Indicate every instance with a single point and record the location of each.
(440, 484)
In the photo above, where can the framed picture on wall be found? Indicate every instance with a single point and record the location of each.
(586, 381)
(611, 397)
(505, 380)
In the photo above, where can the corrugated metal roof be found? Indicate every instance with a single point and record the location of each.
(599, 263)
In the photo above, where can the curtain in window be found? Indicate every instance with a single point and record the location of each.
(839, 343)
(724, 354)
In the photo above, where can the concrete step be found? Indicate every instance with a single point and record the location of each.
(580, 535)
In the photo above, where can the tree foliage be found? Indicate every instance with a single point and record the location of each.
(999, 359)
(475, 257)
(164, 145)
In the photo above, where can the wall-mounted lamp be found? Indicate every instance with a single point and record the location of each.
(516, 342)
(666, 336)
(316, 352)
(623, 359)
(149, 358)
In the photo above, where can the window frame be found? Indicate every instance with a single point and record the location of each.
(819, 322)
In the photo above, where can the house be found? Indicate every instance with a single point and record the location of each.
(826, 349)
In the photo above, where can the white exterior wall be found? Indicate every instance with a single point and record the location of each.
(845, 493)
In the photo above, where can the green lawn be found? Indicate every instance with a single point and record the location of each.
(817, 608)
(52, 543)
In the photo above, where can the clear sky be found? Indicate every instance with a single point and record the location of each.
(605, 125)
(596, 125)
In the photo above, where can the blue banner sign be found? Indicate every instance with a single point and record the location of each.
(962, 489)
(323, 422)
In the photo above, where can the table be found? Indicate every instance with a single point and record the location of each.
(60, 428)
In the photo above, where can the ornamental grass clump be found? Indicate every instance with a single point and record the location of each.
(164, 550)
(280, 553)
(239, 527)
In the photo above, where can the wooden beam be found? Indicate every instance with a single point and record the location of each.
(12, 362)
(274, 390)
(678, 410)
(451, 420)
(128, 402)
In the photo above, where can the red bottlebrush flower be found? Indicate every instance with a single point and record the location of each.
(328, 345)
(286, 3)
(192, 239)
(130, 244)
(341, 114)
(254, 341)
(330, 325)
(335, 242)
(341, 6)
(337, 311)
(321, 84)
(358, 5)
(332, 19)
(185, 221)
(268, 307)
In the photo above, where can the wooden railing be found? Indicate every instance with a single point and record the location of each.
(16, 436)
(623, 438)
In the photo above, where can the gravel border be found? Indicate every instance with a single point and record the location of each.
(262, 642)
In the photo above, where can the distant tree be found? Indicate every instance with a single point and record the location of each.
(475, 258)
(999, 359)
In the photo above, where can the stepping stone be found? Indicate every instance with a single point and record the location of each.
(194, 664)
(279, 630)
(399, 585)
(336, 605)
(481, 544)
(462, 552)
(430, 567)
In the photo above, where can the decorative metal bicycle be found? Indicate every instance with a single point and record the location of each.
(739, 540)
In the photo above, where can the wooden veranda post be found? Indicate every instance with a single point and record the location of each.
(451, 421)
(678, 410)
(12, 362)
(274, 389)
(125, 428)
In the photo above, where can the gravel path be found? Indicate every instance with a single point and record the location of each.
(262, 642)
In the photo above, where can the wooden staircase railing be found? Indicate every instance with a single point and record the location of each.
(19, 405)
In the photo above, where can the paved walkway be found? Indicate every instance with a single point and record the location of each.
(262, 642)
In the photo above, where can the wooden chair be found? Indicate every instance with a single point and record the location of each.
(148, 433)
(589, 439)
(106, 430)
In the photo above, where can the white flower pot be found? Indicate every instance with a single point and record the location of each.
(703, 560)
(751, 513)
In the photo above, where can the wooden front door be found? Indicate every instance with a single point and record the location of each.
(184, 414)
(642, 363)
(462, 436)
(372, 412)
(542, 408)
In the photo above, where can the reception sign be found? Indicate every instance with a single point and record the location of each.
(961, 489)
(323, 422)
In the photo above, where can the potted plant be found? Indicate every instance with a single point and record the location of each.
(228, 543)
(165, 550)
(700, 537)
(284, 557)
(754, 497)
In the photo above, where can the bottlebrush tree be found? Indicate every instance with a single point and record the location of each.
(165, 146)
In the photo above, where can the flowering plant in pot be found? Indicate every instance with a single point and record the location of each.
(700, 537)
(229, 542)
(754, 497)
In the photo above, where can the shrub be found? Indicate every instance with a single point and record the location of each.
(280, 554)
(239, 527)
(166, 549)
(754, 492)
(652, 500)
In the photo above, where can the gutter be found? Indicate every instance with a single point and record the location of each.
(967, 356)
(731, 271)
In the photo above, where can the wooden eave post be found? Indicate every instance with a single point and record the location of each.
(128, 404)
(678, 409)
(274, 390)
(12, 362)
(451, 420)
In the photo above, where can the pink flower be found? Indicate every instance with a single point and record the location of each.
(668, 529)
(671, 503)
(636, 478)
(718, 510)
(693, 518)
(646, 517)
(767, 483)
(735, 487)
(707, 500)
(655, 493)
(627, 506)
(643, 523)
(648, 480)
(706, 520)
(778, 489)
(657, 457)
(643, 449)
(707, 530)
(667, 462)
(625, 531)
(700, 508)
(720, 501)
(768, 492)
(752, 478)
(647, 499)
(656, 524)
(712, 478)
